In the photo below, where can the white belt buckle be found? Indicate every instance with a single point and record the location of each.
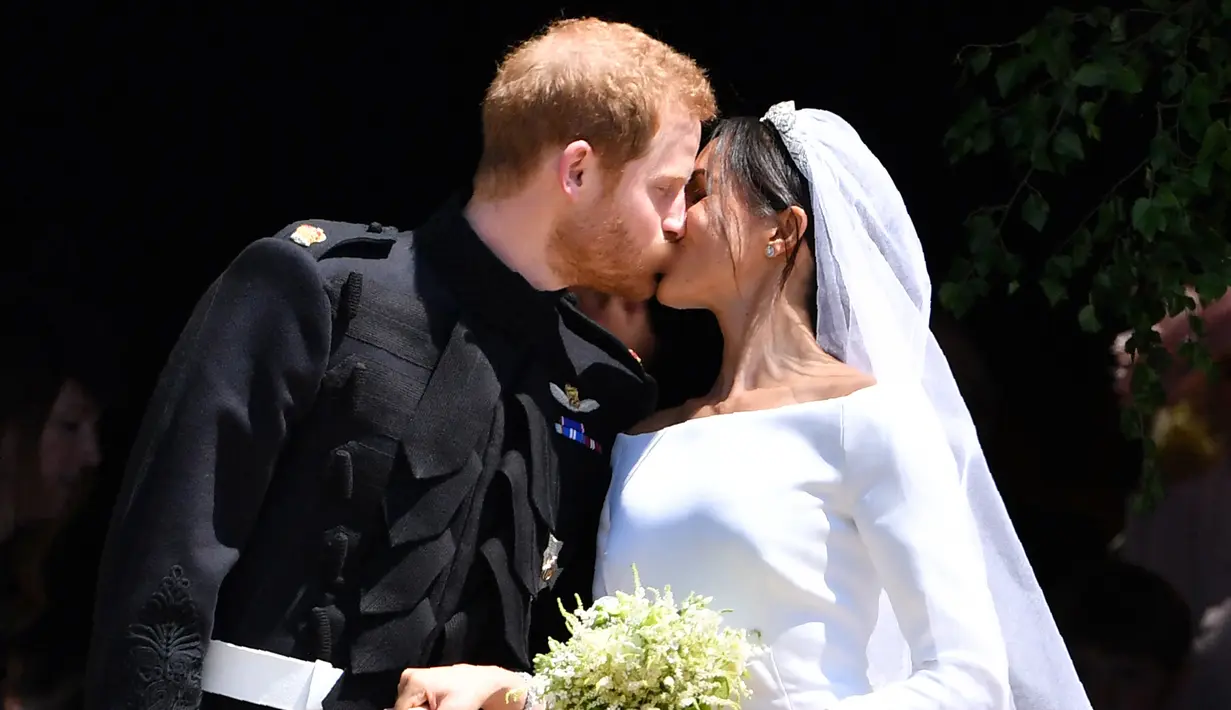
(267, 679)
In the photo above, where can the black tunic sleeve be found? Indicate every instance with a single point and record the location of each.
(246, 367)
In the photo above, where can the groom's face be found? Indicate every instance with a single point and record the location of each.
(620, 244)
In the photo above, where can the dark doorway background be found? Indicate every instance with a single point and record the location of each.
(153, 140)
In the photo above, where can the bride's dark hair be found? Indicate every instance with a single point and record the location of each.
(750, 163)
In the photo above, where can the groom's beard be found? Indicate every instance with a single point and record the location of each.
(593, 250)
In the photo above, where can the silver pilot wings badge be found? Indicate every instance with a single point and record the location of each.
(570, 399)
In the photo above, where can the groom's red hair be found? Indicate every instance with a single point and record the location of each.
(603, 82)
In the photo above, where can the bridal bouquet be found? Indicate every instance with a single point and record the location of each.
(641, 651)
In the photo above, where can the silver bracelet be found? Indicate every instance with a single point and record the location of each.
(534, 695)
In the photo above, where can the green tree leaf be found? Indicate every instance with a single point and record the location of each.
(1202, 174)
(981, 140)
(1119, 32)
(1011, 131)
(1211, 286)
(1089, 110)
(1053, 290)
(1099, 16)
(1068, 144)
(1035, 211)
(1091, 75)
(1147, 218)
(1194, 120)
(1126, 79)
(1062, 264)
(1088, 319)
(1083, 247)
(1213, 142)
(985, 245)
(1174, 81)
(1162, 148)
(982, 229)
(1040, 160)
(1170, 37)
(956, 297)
(1009, 75)
(1200, 92)
(979, 59)
(971, 133)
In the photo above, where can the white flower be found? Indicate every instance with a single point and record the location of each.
(642, 650)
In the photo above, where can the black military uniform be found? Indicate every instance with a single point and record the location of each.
(374, 448)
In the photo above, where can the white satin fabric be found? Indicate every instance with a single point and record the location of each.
(795, 519)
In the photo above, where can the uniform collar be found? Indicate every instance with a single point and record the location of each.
(501, 297)
(483, 284)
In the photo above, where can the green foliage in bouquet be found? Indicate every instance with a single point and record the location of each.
(642, 650)
(1114, 129)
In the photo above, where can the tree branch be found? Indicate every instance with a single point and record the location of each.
(1055, 126)
(1099, 203)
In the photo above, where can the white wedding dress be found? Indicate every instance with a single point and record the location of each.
(796, 519)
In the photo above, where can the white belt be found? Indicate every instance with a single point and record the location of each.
(266, 678)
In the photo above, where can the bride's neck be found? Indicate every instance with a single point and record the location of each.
(767, 341)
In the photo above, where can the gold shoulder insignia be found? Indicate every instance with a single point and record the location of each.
(306, 235)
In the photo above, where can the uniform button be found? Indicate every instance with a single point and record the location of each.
(376, 228)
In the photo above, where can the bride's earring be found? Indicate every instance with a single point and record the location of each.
(772, 250)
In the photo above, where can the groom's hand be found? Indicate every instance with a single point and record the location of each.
(459, 687)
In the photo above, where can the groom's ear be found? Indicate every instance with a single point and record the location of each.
(577, 168)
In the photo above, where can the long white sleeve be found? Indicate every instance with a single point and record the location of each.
(912, 514)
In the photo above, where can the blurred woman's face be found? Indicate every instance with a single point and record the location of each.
(68, 450)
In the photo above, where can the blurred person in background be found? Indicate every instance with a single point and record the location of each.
(50, 405)
(1186, 536)
(1129, 632)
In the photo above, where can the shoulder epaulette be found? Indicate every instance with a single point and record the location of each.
(321, 237)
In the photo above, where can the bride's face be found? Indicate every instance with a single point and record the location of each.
(722, 250)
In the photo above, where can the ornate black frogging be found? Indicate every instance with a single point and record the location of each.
(165, 649)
